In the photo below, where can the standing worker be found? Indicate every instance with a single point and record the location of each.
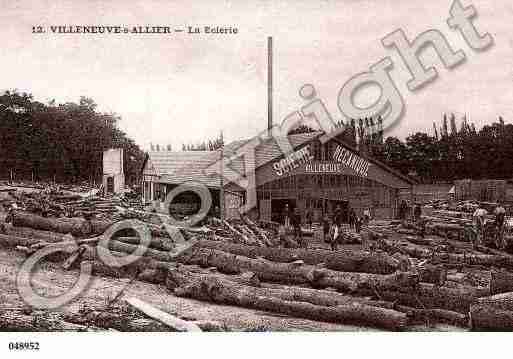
(403, 210)
(308, 215)
(366, 216)
(325, 228)
(358, 224)
(352, 219)
(500, 215)
(417, 212)
(295, 220)
(479, 224)
(337, 216)
(286, 216)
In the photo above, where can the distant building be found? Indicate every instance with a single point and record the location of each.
(113, 172)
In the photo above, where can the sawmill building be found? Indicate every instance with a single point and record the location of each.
(315, 175)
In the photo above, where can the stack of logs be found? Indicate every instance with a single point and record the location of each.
(395, 283)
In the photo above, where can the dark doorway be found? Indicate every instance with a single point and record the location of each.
(344, 206)
(110, 184)
(278, 206)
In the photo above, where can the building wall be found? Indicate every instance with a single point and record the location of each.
(119, 182)
(113, 167)
(480, 190)
(323, 192)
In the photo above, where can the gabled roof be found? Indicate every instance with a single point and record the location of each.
(179, 167)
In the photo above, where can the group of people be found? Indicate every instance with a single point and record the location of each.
(331, 229)
(479, 224)
(292, 219)
(331, 226)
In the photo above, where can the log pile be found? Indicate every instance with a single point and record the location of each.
(401, 277)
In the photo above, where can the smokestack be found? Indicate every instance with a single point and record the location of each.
(269, 84)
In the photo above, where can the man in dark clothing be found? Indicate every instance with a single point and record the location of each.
(325, 228)
(352, 219)
(500, 215)
(417, 212)
(295, 221)
(358, 224)
(286, 216)
(337, 216)
(309, 215)
(334, 233)
(217, 212)
(403, 209)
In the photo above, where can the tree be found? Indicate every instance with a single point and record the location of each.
(62, 141)
(395, 154)
(208, 145)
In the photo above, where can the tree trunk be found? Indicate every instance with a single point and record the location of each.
(298, 273)
(115, 245)
(348, 261)
(493, 313)
(78, 227)
(416, 251)
(501, 282)
(158, 243)
(220, 291)
(46, 236)
(17, 321)
(430, 296)
(435, 274)
(261, 233)
(10, 241)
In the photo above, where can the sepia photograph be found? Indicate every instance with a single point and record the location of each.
(335, 166)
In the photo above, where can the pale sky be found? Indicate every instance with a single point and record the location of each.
(177, 88)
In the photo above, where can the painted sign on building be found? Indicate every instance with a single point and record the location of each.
(351, 160)
(293, 161)
(324, 167)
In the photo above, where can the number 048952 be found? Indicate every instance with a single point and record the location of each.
(24, 346)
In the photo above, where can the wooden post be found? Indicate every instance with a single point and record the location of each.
(221, 190)
(269, 84)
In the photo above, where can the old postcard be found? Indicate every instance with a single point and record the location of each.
(265, 166)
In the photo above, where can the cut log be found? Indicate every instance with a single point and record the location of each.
(416, 251)
(434, 315)
(78, 227)
(159, 243)
(259, 231)
(46, 236)
(291, 273)
(435, 274)
(430, 296)
(10, 241)
(501, 282)
(118, 246)
(18, 321)
(213, 289)
(113, 319)
(348, 261)
(493, 313)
